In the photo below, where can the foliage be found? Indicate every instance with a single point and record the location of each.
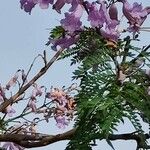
(104, 100)
(113, 74)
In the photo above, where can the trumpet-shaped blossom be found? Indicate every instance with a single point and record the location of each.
(44, 4)
(58, 5)
(72, 21)
(64, 105)
(61, 107)
(110, 31)
(107, 21)
(12, 146)
(96, 16)
(61, 121)
(74, 4)
(32, 105)
(113, 12)
(135, 14)
(12, 81)
(27, 5)
(37, 91)
(9, 110)
(57, 94)
(64, 42)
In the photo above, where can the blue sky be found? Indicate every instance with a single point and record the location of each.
(22, 37)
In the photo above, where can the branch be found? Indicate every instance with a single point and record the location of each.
(141, 54)
(25, 87)
(126, 49)
(38, 140)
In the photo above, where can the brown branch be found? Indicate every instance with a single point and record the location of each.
(38, 140)
(141, 54)
(25, 87)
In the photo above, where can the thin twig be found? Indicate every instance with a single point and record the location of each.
(25, 87)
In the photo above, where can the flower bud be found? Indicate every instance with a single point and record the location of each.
(113, 12)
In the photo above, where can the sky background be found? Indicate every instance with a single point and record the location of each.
(22, 37)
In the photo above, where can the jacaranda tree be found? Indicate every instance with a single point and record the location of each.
(113, 76)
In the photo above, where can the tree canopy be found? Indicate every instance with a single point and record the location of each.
(113, 75)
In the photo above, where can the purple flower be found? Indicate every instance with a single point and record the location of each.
(61, 121)
(44, 4)
(72, 21)
(64, 42)
(37, 91)
(74, 4)
(10, 111)
(109, 31)
(58, 5)
(32, 105)
(135, 14)
(61, 107)
(110, 34)
(113, 12)
(107, 21)
(96, 16)
(27, 5)
(12, 146)
(12, 81)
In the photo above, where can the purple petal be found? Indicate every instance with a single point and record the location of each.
(96, 17)
(44, 4)
(58, 5)
(61, 121)
(110, 35)
(10, 111)
(113, 12)
(135, 14)
(32, 105)
(74, 4)
(65, 42)
(27, 5)
(72, 21)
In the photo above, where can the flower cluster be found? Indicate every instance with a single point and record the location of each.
(58, 103)
(135, 14)
(11, 83)
(64, 105)
(101, 17)
(27, 5)
(36, 92)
